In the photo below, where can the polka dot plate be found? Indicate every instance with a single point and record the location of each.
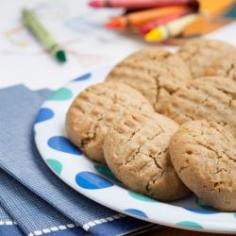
(96, 182)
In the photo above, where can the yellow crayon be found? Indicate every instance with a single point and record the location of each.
(171, 29)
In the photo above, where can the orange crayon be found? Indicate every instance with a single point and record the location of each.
(144, 29)
(137, 19)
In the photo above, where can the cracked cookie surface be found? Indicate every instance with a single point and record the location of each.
(222, 67)
(92, 113)
(136, 150)
(155, 72)
(210, 98)
(199, 54)
(204, 156)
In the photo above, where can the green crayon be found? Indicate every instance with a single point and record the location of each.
(31, 21)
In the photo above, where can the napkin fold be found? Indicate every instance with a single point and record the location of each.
(31, 193)
(33, 215)
(8, 226)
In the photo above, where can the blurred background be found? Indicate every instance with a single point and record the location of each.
(92, 38)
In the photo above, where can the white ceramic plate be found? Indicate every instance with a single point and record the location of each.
(97, 183)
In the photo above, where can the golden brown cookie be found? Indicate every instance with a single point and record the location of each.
(222, 67)
(136, 150)
(199, 54)
(204, 156)
(155, 72)
(211, 98)
(93, 111)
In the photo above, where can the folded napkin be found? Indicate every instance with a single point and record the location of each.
(31, 194)
(8, 226)
(33, 215)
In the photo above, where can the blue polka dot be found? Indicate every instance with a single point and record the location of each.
(136, 212)
(92, 181)
(83, 77)
(63, 144)
(202, 211)
(44, 114)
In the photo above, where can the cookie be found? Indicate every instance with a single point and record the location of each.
(154, 72)
(199, 54)
(211, 98)
(204, 156)
(93, 111)
(222, 67)
(136, 151)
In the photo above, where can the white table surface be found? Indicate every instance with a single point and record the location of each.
(79, 30)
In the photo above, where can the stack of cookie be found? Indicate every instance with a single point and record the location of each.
(165, 123)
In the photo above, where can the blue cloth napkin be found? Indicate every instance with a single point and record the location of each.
(33, 215)
(42, 200)
(8, 226)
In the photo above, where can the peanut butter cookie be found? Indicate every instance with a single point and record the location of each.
(199, 54)
(155, 72)
(210, 98)
(93, 111)
(136, 150)
(222, 67)
(204, 156)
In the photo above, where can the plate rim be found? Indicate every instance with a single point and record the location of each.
(218, 227)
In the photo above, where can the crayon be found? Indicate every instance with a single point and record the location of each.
(144, 29)
(213, 8)
(31, 21)
(139, 18)
(204, 25)
(171, 29)
(140, 3)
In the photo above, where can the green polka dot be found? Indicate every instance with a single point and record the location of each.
(61, 95)
(204, 205)
(55, 165)
(189, 224)
(106, 172)
(141, 197)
